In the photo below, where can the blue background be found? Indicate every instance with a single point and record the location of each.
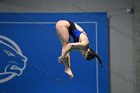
(39, 42)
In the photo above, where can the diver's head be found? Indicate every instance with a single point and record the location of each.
(88, 54)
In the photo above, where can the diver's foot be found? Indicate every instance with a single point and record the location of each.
(61, 62)
(69, 72)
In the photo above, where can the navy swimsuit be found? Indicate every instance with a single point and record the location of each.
(74, 32)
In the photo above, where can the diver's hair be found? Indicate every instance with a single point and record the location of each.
(91, 55)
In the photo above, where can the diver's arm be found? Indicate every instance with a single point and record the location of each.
(78, 45)
(66, 49)
(71, 46)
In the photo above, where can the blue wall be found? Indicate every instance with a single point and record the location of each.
(36, 36)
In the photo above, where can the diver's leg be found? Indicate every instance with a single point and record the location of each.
(63, 35)
(67, 65)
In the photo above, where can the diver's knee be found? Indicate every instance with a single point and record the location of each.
(65, 44)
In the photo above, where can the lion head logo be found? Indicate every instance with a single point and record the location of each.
(12, 61)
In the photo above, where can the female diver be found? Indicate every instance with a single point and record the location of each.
(65, 29)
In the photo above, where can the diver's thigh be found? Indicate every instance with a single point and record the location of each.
(63, 35)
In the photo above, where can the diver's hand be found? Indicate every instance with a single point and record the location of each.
(61, 59)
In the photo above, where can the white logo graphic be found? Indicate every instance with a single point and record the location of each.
(12, 61)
